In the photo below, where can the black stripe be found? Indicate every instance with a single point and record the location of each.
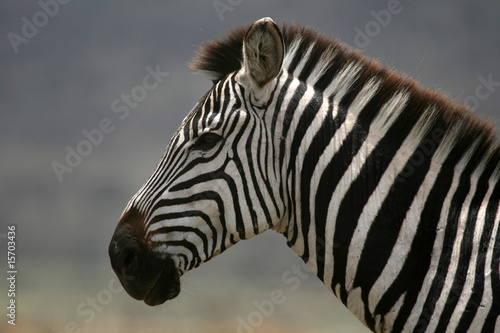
(299, 54)
(416, 254)
(333, 70)
(192, 248)
(238, 162)
(289, 113)
(216, 96)
(165, 166)
(254, 167)
(474, 302)
(162, 185)
(465, 247)
(419, 256)
(279, 102)
(229, 92)
(387, 224)
(494, 313)
(207, 111)
(182, 229)
(311, 62)
(160, 171)
(318, 145)
(191, 213)
(200, 196)
(280, 137)
(263, 166)
(185, 259)
(411, 277)
(340, 162)
(362, 188)
(304, 123)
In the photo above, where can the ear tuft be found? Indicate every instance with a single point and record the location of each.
(263, 51)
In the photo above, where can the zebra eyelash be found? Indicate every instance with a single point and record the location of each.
(206, 141)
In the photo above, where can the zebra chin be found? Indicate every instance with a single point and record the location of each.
(144, 275)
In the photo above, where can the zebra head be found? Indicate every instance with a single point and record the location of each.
(216, 183)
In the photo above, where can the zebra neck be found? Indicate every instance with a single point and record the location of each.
(326, 144)
(372, 187)
(344, 145)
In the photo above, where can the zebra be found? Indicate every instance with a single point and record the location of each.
(388, 191)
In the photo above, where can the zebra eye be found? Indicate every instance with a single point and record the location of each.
(206, 141)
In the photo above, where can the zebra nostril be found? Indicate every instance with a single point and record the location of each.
(125, 254)
(129, 258)
(129, 261)
(126, 249)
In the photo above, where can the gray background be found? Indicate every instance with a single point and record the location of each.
(63, 81)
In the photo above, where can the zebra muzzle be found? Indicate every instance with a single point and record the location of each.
(144, 275)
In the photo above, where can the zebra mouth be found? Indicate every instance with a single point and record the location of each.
(166, 286)
(143, 275)
(153, 284)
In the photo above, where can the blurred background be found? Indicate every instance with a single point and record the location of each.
(63, 65)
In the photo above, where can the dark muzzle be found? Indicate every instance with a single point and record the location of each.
(144, 275)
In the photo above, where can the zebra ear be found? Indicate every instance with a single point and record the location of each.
(263, 50)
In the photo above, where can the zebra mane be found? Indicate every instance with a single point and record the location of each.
(327, 57)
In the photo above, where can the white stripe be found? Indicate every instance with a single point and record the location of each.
(343, 81)
(391, 315)
(332, 149)
(471, 271)
(321, 66)
(290, 53)
(175, 253)
(290, 90)
(378, 130)
(303, 61)
(486, 300)
(446, 292)
(435, 257)
(339, 86)
(404, 242)
(304, 147)
(363, 97)
(355, 306)
(298, 247)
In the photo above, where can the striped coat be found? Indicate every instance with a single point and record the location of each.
(388, 191)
